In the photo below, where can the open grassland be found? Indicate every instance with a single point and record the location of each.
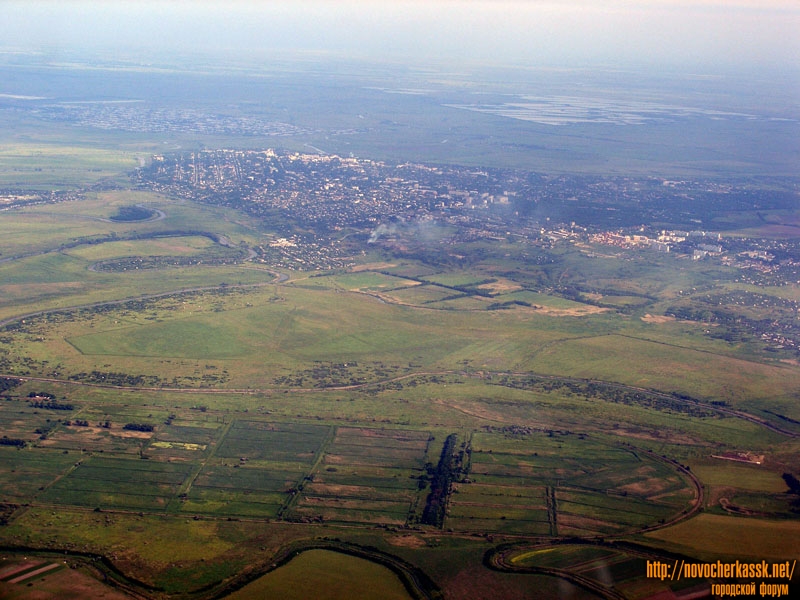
(369, 281)
(713, 536)
(58, 253)
(54, 166)
(668, 368)
(270, 331)
(189, 432)
(27, 281)
(326, 575)
(729, 474)
(772, 224)
(23, 474)
(251, 339)
(171, 246)
(603, 566)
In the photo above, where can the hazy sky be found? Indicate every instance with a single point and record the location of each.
(681, 33)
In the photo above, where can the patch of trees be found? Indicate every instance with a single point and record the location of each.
(7, 441)
(134, 263)
(473, 289)
(608, 393)
(329, 374)
(7, 383)
(783, 417)
(792, 482)
(508, 304)
(794, 488)
(735, 326)
(579, 293)
(441, 481)
(139, 427)
(6, 510)
(45, 430)
(47, 401)
(52, 405)
(118, 379)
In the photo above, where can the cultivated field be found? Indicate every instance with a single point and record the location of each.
(189, 412)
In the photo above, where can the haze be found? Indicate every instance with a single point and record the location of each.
(665, 33)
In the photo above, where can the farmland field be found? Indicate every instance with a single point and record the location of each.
(600, 565)
(46, 166)
(205, 392)
(325, 574)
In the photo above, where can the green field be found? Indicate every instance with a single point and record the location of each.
(55, 166)
(714, 535)
(326, 575)
(173, 401)
(602, 566)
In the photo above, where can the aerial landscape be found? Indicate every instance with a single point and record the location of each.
(444, 300)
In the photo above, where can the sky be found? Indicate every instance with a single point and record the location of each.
(693, 34)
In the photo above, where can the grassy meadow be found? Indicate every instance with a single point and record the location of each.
(183, 418)
(326, 575)
(54, 167)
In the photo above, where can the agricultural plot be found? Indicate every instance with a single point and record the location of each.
(119, 483)
(255, 468)
(166, 246)
(181, 442)
(541, 300)
(326, 575)
(96, 438)
(253, 440)
(62, 167)
(24, 472)
(370, 281)
(21, 419)
(198, 337)
(726, 535)
(556, 484)
(562, 556)
(37, 229)
(668, 368)
(103, 429)
(366, 476)
(462, 303)
(422, 294)
(240, 491)
(456, 279)
(412, 270)
(625, 572)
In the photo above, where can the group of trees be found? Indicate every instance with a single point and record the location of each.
(7, 384)
(794, 488)
(733, 325)
(118, 379)
(609, 393)
(138, 427)
(51, 405)
(7, 441)
(442, 478)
